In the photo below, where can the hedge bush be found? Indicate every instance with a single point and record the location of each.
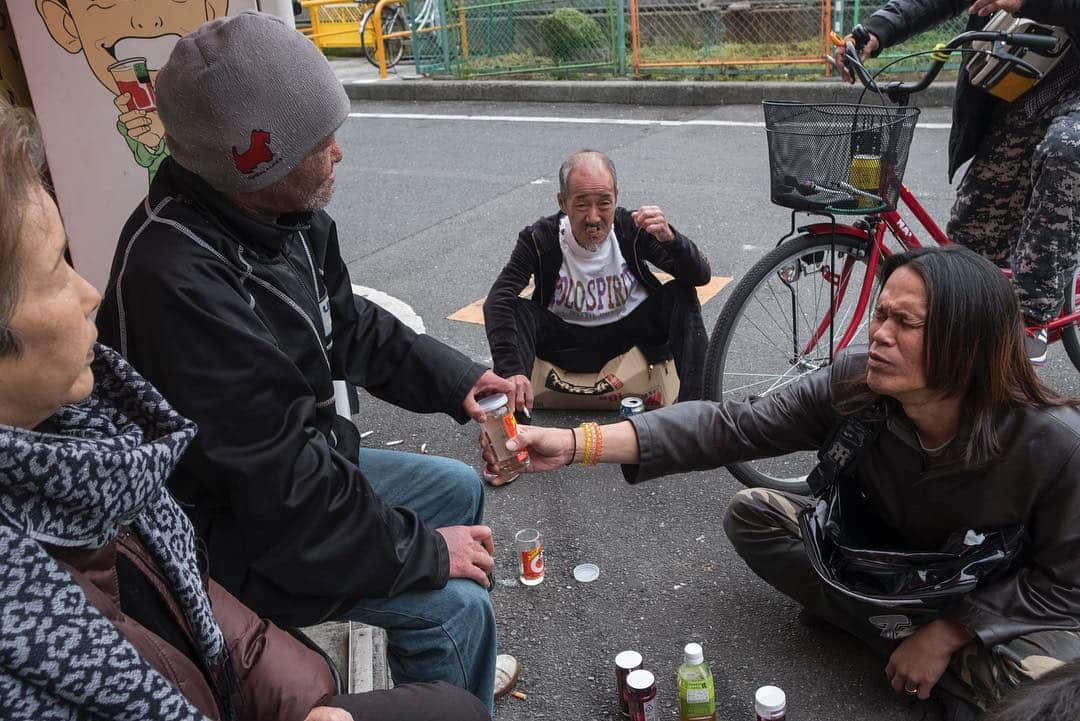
(572, 36)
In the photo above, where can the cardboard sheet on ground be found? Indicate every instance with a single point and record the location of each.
(627, 375)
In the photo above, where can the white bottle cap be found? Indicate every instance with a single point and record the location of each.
(628, 660)
(490, 404)
(640, 680)
(769, 700)
(692, 654)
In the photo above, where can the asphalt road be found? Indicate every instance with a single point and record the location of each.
(428, 208)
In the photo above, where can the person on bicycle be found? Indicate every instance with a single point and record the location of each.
(960, 440)
(1017, 203)
(595, 297)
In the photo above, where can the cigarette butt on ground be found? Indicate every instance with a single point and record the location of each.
(395, 443)
(518, 695)
(365, 434)
(525, 410)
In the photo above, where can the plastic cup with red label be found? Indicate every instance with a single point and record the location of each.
(530, 556)
(500, 427)
(132, 76)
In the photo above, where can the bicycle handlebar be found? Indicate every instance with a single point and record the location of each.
(899, 91)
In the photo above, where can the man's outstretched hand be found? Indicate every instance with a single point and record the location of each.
(470, 549)
(486, 385)
(548, 448)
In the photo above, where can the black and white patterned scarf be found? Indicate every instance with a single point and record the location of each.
(103, 463)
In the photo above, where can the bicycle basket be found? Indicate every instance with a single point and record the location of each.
(837, 158)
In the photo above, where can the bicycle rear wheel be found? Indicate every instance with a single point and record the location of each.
(1070, 334)
(776, 328)
(392, 22)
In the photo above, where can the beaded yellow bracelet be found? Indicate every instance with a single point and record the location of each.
(594, 444)
(587, 441)
(598, 443)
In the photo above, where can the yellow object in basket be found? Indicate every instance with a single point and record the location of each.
(866, 176)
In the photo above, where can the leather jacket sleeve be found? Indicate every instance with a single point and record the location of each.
(1054, 12)
(279, 678)
(702, 435)
(898, 20)
(379, 353)
(680, 258)
(500, 322)
(1045, 592)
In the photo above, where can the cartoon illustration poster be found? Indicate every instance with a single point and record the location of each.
(91, 67)
(12, 79)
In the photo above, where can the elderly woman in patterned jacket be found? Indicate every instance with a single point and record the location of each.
(957, 555)
(104, 611)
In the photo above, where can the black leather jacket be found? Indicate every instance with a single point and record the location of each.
(1035, 482)
(221, 311)
(972, 108)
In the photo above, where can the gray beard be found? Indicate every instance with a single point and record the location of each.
(591, 247)
(320, 198)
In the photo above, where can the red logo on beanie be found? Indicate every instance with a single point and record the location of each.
(258, 152)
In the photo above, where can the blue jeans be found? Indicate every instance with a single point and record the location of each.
(448, 634)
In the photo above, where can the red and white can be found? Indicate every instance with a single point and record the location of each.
(530, 555)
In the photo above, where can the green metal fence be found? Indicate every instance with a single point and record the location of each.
(472, 38)
(642, 38)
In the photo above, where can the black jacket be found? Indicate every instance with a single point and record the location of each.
(221, 311)
(972, 108)
(1035, 482)
(537, 254)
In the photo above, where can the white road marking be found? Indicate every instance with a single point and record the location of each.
(399, 308)
(588, 121)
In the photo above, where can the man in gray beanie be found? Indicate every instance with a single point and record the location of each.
(229, 293)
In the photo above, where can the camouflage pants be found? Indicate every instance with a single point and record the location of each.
(1019, 201)
(764, 529)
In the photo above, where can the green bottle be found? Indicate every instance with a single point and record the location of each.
(697, 697)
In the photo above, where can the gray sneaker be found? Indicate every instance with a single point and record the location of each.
(1035, 346)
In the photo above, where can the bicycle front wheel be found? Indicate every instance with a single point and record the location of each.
(1070, 334)
(392, 22)
(776, 328)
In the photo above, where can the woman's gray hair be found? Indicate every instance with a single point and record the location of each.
(580, 158)
(22, 157)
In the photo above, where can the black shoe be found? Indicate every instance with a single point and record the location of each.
(1035, 345)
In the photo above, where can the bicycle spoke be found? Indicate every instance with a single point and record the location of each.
(779, 326)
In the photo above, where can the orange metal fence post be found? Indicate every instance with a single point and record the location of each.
(635, 37)
(380, 49)
(464, 30)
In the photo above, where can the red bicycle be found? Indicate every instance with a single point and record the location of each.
(808, 298)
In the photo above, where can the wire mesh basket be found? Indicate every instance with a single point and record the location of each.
(838, 158)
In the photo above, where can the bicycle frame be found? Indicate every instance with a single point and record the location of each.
(877, 224)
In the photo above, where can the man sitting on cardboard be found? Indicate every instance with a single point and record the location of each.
(595, 299)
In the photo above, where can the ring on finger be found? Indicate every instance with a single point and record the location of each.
(912, 690)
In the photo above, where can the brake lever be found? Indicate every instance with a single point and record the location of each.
(999, 51)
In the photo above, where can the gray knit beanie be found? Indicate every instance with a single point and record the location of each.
(244, 99)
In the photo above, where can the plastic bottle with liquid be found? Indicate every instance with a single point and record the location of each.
(697, 696)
